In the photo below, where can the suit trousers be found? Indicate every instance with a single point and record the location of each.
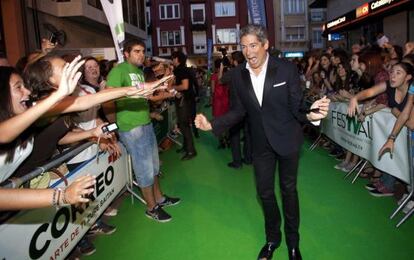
(184, 118)
(235, 143)
(265, 164)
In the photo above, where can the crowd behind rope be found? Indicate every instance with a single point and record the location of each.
(45, 100)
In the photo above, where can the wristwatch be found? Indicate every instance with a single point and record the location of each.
(392, 137)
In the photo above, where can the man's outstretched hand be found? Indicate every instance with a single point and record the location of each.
(202, 123)
(323, 107)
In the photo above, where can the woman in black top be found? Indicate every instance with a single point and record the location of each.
(401, 76)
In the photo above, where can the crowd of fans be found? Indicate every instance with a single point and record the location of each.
(376, 76)
(48, 106)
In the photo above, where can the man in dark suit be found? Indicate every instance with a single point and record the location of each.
(268, 91)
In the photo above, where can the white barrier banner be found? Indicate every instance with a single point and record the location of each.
(52, 233)
(366, 138)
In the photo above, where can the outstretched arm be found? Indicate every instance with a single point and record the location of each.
(401, 120)
(16, 199)
(353, 108)
(13, 127)
(75, 104)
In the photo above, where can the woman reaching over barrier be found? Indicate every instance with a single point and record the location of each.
(43, 77)
(401, 76)
(17, 144)
(15, 117)
(406, 117)
(14, 122)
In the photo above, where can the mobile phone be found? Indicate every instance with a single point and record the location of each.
(53, 39)
(109, 128)
(313, 110)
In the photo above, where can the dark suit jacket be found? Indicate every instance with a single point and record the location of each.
(278, 120)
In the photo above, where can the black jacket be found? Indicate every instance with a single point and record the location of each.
(278, 120)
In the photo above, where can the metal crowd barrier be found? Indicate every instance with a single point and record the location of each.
(411, 192)
(362, 163)
(52, 233)
(54, 162)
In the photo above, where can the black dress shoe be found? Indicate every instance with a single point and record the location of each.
(247, 162)
(188, 156)
(294, 254)
(180, 150)
(234, 165)
(267, 251)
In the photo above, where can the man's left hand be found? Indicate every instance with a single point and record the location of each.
(323, 106)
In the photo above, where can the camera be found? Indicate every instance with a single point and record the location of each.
(109, 128)
(53, 39)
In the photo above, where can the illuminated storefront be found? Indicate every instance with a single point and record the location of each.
(393, 17)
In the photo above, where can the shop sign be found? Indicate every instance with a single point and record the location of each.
(380, 3)
(362, 10)
(296, 54)
(336, 22)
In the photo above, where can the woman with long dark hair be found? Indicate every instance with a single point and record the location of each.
(401, 76)
(15, 118)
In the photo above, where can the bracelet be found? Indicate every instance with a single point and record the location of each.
(392, 137)
(64, 199)
(54, 197)
(58, 197)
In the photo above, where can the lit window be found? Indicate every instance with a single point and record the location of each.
(228, 35)
(225, 8)
(296, 33)
(294, 6)
(170, 38)
(169, 11)
(317, 15)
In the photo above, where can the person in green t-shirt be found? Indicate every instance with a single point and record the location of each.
(136, 131)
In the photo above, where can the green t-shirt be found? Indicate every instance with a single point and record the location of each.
(130, 112)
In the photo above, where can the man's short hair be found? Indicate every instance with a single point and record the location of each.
(128, 45)
(237, 56)
(182, 58)
(253, 29)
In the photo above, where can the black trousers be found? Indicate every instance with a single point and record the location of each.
(184, 118)
(265, 165)
(235, 143)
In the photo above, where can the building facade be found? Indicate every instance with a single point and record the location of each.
(317, 19)
(291, 27)
(83, 22)
(193, 25)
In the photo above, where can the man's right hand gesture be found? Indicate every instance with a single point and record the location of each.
(202, 123)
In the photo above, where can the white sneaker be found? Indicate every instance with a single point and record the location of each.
(348, 167)
(408, 207)
(111, 212)
(402, 199)
(340, 165)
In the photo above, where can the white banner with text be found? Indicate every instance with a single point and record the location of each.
(51, 233)
(366, 138)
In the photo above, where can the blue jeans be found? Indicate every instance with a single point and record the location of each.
(141, 144)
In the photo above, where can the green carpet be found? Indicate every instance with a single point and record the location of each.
(220, 217)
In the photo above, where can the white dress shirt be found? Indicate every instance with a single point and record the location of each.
(259, 80)
(258, 84)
